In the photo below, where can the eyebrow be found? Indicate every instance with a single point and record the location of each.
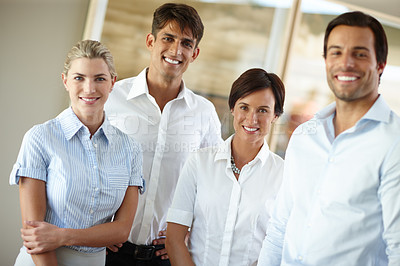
(97, 75)
(174, 36)
(262, 106)
(354, 48)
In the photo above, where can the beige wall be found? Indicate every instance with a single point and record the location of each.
(35, 37)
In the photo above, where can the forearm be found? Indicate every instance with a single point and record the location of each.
(176, 247)
(45, 259)
(97, 236)
(109, 233)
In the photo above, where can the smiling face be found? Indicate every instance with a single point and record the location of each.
(253, 116)
(88, 83)
(351, 66)
(171, 51)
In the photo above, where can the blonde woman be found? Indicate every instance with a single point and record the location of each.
(76, 171)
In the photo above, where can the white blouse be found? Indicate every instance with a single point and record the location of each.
(228, 217)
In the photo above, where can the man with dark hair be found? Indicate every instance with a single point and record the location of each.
(169, 120)
(339, 203)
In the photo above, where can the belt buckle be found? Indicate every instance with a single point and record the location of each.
(144, 252)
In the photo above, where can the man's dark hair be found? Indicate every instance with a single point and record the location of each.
(184, 15)
(360, 19)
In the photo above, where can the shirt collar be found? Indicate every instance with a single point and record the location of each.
(139, 87)
(224, 152)
(379, 111)
(70, 125)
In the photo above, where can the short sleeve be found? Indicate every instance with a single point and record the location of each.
(31, 159)
(182, 208)
(136, 176)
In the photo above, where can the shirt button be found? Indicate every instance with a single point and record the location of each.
(96, 189)
(95, 145)
(94, 167)
(300, 258)
(91, 211)
(331, 160)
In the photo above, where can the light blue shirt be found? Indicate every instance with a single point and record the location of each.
(339, 203)
(86, 178)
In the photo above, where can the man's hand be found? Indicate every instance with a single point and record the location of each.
(161, 241)
(41, 237)
(114, 248)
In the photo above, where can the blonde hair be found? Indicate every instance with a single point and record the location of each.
(90, 49)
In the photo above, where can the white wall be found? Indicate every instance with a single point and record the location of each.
(35, 36)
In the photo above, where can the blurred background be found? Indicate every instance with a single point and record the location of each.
(281, 36)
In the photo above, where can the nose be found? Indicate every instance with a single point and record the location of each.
(347, 60)
(252, 117)
(89, 87)
(176, 48)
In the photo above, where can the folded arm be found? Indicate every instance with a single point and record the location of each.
(32, 194)
(43, 236)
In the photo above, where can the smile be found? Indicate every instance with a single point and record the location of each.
(346, 78)
(89, 100)
(171, 61)
(250, 129)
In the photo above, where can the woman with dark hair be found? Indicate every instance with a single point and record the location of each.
(225, 193)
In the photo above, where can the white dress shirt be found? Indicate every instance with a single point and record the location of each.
(228, 217)
(186, 123)
(339, 203)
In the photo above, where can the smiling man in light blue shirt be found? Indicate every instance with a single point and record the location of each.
(339, 203)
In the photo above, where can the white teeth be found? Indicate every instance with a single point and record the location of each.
(346, 78)
(251, 129)
(171, 61)
(89, 99)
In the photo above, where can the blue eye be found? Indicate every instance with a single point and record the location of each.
(78, 78)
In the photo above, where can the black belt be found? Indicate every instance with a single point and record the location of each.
(141, 252)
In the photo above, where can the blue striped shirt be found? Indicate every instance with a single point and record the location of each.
(86, 178)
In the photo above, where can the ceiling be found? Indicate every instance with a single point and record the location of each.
(389, 7)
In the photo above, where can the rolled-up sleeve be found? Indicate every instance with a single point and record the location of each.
(31, 159)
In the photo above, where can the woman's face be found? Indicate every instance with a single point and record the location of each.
(89, 83)
(253, 116)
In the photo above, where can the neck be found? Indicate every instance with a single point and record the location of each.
(244, 153)
(92, 122)
(162, 88)
(349, 113)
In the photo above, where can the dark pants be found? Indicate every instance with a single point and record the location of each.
(126, 257)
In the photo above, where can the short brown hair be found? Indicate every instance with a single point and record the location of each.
(359, 19)
(256, 79)
(184, 15)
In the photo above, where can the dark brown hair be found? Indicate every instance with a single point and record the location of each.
(184, 15)
(256, 79)
(360, 19)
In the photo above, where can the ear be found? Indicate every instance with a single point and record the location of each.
(112, 83)
(381, 67)
(64, 79)
(195, 54)
(274, 119)
(150, 39)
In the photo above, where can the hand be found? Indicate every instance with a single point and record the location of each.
(41, 237)
(114, 248)
(161, 241)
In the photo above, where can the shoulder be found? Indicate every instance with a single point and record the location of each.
(43, 130)
(127, 142)
(198, 100)
(276, 159)
(122, 87)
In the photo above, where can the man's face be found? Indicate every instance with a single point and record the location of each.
(351, 67)
(172, 50)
